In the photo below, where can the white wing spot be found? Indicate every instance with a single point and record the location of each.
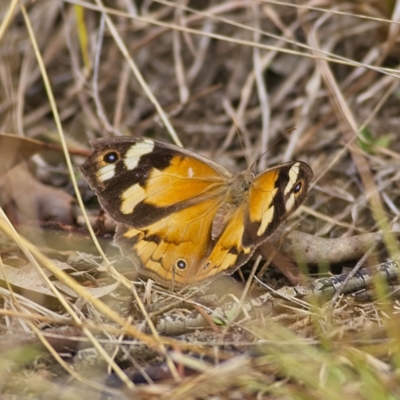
(293, 175)
(137, 150)
(105, 173)
(190, 173)
(290, 203)
(132, 196)
(265, 221)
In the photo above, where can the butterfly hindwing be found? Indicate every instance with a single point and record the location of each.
(168, 249)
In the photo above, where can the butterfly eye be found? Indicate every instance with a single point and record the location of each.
(298, 187)
(181, 264)
(111, 157)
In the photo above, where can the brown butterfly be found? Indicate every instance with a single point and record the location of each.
(184, 218)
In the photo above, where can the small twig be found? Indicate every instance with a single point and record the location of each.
(96, 97)
(137, 73)
(179, 65)
(262, 91)
(244, 294)
(352, 274)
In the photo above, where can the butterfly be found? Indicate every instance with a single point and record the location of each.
(183, 218)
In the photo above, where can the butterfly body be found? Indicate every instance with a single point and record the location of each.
(182, 217)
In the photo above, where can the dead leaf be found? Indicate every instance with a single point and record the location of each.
(102, 291)
(25, 280)
(24, 199)
(15, 149)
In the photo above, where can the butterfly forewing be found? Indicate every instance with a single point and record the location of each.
(273, 196)
(141, 181)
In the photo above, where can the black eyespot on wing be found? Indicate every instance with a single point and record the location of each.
(298, 187)
(111, 157)
(181, 264)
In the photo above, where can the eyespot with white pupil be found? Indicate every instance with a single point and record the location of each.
(298, 187)
(111, 157)
(181, 264)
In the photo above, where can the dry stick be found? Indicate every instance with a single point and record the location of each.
(154, 332)
(307, 7)
(8, 17)
(167, 26)
(282, 293)
(352, 274)
(103, 308)
(244, 294)
(57, 121)
(262, 92)
(311, 249)
(99, 106)
(121, 95)
(201, 52)
(78, 76)
(219, 9)
(326, 288)
(245, 96)
(350, 130)
(179, 65)
(272, 255)
(137, 73)
(323, 288)
(23, 245)
(172, 132)
(7, 228)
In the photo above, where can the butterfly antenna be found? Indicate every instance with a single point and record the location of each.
(240, 140)
(278, 139)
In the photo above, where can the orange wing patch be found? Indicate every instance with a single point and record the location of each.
(261, 196)
(228, 248)
(173, 247)
(185, 179)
